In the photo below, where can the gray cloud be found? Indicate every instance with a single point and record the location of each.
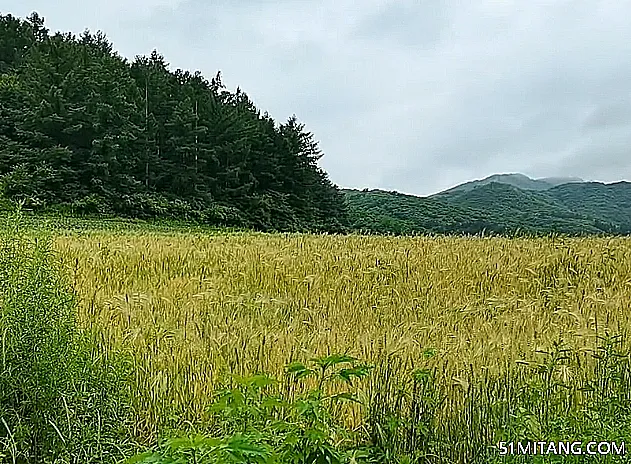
(417, 25)
(406, 95)
(616, 113)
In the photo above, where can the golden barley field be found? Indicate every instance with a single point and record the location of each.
(192, 306)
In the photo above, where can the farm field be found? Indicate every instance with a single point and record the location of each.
(185, 280)
(193, 307)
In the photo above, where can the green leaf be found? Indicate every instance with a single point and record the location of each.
(272, 402)
(299, 370)
(332, 360)
(241, 446)
(358, 371)
(260, 381)
(175, 444)
(345, 397)
(422, 375)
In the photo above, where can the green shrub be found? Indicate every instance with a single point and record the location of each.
(258, 426)
(61, 397)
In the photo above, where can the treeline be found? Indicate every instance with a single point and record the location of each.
(83, 130)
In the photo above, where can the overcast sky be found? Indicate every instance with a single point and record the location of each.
(414, 96)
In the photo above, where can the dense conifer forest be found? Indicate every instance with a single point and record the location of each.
(83, 130)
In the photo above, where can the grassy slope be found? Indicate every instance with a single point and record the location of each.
(513, 208)
(610, 203)
(377, 210)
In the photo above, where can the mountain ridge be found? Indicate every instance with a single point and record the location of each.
(573, 208)
(515, 179)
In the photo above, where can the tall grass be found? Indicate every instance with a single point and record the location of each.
(551, 398)
(62, 398)
(474, 339)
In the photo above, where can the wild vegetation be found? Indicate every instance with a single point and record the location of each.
(576, 209)
(63, 396)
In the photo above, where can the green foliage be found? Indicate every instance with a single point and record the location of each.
(83, 129)
(550, 406)
(200, 450)
(416, 418)
(402, 413)
(61, 397)
(257, 425)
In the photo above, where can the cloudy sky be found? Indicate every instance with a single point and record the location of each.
(407, 95)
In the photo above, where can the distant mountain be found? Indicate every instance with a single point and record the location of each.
(516, 180)
(574, 208)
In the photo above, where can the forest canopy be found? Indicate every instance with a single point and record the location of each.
(84, 130)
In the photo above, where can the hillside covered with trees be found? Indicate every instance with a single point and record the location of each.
(574, 209)
(82, 130)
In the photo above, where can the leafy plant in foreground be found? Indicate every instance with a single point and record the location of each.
(259, 426)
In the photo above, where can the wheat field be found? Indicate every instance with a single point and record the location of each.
(191, 307)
